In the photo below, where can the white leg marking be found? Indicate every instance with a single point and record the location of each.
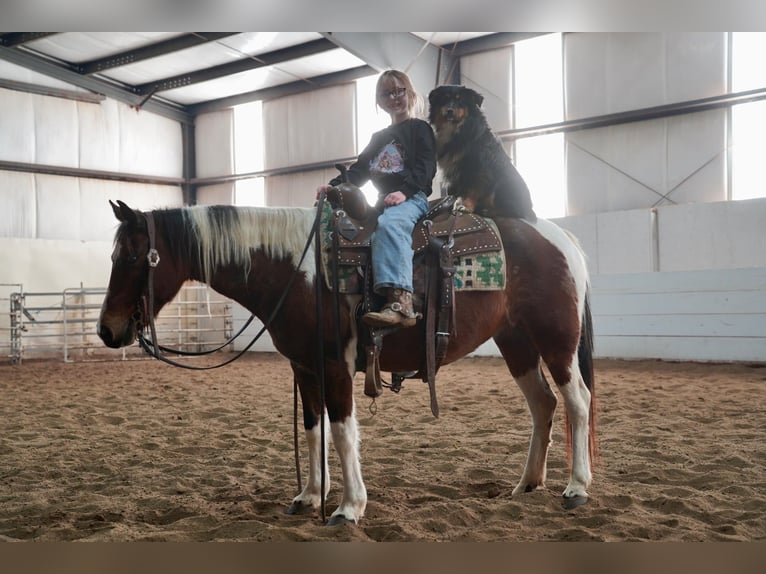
(345, 436)
(542, 404)
(312, 491)
(577, 402)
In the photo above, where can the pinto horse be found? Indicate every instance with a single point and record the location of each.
(251, 254)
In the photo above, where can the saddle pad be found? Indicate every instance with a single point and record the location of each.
(479, 259)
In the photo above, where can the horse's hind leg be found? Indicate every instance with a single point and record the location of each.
(577, 399)
(524, 363)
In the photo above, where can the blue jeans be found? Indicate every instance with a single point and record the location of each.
(392, 244)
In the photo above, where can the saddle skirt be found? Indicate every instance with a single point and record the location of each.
(477, 253)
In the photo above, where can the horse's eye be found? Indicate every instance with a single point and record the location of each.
(132, 259)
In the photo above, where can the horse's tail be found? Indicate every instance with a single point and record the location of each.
(585, 365)
(585, 362)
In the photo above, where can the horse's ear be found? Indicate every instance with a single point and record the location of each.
(122, 212)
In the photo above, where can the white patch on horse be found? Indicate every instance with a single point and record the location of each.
(312, 492)
(568, 245)
(345, 436)
(280, 232)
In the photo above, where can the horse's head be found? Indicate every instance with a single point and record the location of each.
(126, 309)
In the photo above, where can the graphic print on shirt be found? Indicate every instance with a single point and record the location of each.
(389, 160)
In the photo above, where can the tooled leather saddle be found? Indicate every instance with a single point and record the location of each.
(441, 237)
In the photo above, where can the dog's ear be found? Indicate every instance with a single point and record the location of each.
(475, 97)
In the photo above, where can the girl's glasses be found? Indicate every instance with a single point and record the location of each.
(395, 93)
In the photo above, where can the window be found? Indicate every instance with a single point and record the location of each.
(248, 153)
(369, 119)
(748, 73)
(538, 99)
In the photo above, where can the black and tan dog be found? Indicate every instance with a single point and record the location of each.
(474, 164)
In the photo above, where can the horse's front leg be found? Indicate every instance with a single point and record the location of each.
(310, 497)
(344, 429)
(345, 435)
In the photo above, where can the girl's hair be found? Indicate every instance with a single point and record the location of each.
(413, 98)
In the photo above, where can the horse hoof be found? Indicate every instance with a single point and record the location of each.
(298, 507)
(574, 501)
(339, 519)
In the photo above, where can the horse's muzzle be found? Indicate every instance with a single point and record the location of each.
(109, 338)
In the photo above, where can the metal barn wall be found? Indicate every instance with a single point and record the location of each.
(56, 230)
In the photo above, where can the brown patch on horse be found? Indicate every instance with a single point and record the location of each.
(542, 298)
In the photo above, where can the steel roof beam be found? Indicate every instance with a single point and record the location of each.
(62, 72)
(282, 90)
(243, 65)
(11, 39)
(151, 51)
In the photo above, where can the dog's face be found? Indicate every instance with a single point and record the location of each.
(449, 106)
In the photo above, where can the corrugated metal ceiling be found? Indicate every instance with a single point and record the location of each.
(181, 74)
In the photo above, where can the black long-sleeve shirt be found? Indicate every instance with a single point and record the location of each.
(401, 157)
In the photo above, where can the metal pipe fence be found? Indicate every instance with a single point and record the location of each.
(63, 324)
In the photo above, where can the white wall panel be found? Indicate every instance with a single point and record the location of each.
(696, 157)
(695, 315)
(17, 126)
(633, 165)
(99, 128)
(58, 207)
(214, 139)
(625, 242)
(695, 65)
(149, 144)
(725, 235)
(56, 132)
(18, 211)
(616, 72)
(490, 75)
(43, 265)
(310, 127)
(297, 190)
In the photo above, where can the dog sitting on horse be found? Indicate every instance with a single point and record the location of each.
(474, 164)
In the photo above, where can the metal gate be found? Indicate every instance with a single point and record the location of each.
(63, 324)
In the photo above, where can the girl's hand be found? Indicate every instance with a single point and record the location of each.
(322, 188)
(394, 198)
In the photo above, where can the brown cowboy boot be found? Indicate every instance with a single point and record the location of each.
(398, 312)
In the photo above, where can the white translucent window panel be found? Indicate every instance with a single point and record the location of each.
(221, 194)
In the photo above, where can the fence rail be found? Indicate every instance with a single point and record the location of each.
(63, 324)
